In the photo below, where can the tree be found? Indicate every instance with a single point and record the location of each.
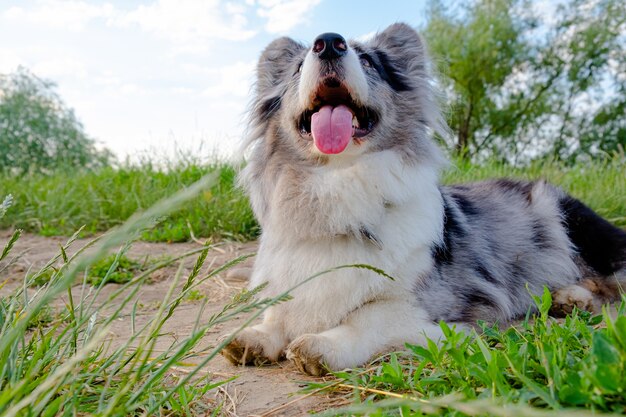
(38, 133)
(520, 86)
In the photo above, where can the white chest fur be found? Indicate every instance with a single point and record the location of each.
(313, 225)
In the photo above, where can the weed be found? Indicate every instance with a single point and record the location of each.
(540, 363)
(195, 295)
(113, 269)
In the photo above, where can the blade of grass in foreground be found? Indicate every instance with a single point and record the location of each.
(128, 231)
(63, 367)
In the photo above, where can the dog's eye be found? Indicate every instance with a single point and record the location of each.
(299, 68)
(366, 61)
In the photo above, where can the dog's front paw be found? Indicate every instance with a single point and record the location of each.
(565, 299)
(309, 353)
(247, 349)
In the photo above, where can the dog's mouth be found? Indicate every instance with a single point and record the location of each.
(334, 118)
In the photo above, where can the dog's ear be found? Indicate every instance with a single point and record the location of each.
(402, 54)
(277, 63)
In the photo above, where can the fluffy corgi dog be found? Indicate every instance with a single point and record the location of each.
(344, 170)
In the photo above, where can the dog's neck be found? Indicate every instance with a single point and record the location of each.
(350, 199)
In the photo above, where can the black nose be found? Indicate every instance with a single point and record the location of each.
(330, 46)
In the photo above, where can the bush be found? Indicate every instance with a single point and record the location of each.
(38, 133)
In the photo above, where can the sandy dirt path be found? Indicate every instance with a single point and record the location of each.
(256, 391)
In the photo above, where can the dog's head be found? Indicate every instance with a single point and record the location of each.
(347, 98)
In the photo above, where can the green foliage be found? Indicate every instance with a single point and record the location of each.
(519, 87)
(66, 200)
(38, 133)
(195, 295)
(11, 309)
(600, 184)
(116, 269)
(41, 278)
(578, 362)
(66, 367)
(113, 269)
(481, 47)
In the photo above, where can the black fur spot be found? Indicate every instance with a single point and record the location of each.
(467, 207)
(601, 245)
(267, 108)
(371, 237)
(477, 297)
(540, 238)
(484, 273)
(523, 188)
(388, 72)
(442, 253)
(472, 304)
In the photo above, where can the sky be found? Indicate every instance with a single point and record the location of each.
(156, 76)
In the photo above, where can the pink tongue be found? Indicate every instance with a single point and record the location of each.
(332, 128)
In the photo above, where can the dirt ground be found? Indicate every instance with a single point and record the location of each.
(268, 391)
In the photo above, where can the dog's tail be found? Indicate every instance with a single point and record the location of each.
(601, 245)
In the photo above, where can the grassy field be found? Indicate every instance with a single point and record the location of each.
(60, 364)
(61, 203)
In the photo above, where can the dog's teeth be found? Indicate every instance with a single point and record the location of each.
(355, 122)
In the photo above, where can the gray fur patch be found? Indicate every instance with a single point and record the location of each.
(500, 236)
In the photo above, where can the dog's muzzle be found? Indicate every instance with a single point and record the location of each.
(334, 86)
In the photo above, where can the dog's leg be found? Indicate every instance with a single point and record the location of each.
(589, 294)
(371, 329)
(565, 299)
(257, 345)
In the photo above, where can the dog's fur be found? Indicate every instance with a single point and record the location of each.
(459, 253)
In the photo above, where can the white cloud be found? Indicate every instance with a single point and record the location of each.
(190, 20)
(183, 21)
(131, 89)
(283, 15)
(107, 79)
(70, 15)
(190, 23)
(232, 80)
(60, 67)
(9, 60)
(181, 90)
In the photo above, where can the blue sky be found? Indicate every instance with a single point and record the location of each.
(143, 75)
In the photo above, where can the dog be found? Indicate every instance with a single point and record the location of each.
(344, 169)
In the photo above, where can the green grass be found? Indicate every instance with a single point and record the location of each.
(542, 364)
(63, 202)
(60, 364)
(599, 184)
(195, 295)
(66, 366)
(112, 269)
